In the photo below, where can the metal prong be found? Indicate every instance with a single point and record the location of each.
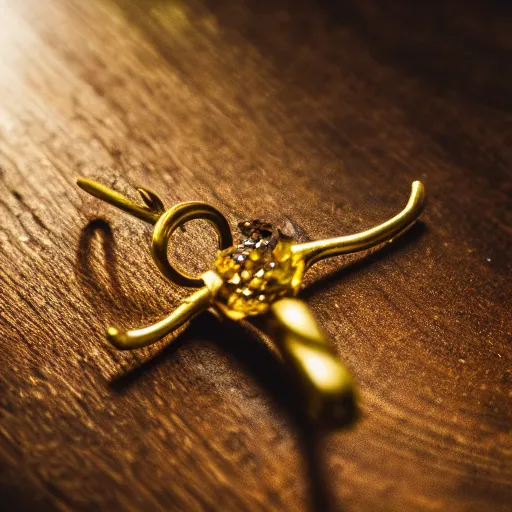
(119, 201)
(318, 250)
(151, 200)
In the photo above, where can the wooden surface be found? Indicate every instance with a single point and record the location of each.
(316, 117)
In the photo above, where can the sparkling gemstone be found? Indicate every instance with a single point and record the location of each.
(256, 274)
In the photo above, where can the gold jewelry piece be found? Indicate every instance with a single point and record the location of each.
(261, 274)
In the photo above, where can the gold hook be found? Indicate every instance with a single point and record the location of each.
(166, 222)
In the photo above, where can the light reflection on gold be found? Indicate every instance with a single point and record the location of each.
(326, 381)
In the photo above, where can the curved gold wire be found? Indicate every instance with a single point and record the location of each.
(313, 252)
(323, 376)
(173, 219)
(191, 306)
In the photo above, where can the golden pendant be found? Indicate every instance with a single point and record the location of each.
(261, 274)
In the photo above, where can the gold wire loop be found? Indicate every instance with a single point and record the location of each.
(166, 222)
(174, 218)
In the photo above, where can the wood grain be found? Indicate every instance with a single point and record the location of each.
(314, 116)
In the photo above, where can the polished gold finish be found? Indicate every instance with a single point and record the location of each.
(166, 222)
(386, 232)
(261, 274)
(324, 377)
(128, 340)
(147, 213)
(176, 217)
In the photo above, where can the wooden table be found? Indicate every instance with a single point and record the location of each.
(315, 117)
